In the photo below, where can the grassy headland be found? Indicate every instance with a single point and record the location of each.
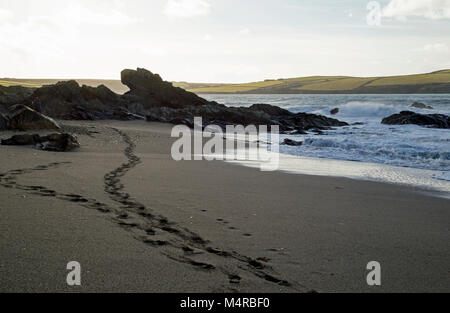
(436, 82)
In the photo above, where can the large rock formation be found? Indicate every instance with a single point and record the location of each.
(13, 95)
(53, 142)
(21, 117)
(256, 115)
(408, 117)
(148, 90)
(69, 101)
(160, 101)
(211, 114)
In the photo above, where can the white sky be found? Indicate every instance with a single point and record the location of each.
(221, 40)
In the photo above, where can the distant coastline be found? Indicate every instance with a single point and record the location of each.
(436, 82)
(430, 83)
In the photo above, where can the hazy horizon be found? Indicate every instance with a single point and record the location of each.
(217, 41)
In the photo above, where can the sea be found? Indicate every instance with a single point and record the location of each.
(367, 149)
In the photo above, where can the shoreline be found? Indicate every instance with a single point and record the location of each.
(291, 164)
(205, 226)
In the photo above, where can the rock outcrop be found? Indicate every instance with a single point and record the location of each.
(222, 116)
(13, 95)
(408, 117)
(210, 114)
(422, 106)
(53, 142)
(150, 90)
(3, 122)
(293, 143)
(68, 101)
(20, 117)
(270, 110)
(21, 140)
(58, 143)
(305, 121)
(159, 101)
(334, 111)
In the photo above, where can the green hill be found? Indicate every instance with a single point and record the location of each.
(436, 82)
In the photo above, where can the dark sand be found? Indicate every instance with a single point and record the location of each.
(166, 226)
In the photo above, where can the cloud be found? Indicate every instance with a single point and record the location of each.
(436, 48)
(431, 9)
(187, 8)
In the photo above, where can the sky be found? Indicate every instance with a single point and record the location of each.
(223, 40)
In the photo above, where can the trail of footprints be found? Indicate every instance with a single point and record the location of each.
(174, 241)
(9, 180)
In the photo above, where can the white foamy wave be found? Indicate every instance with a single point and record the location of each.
(361, 111)
(367, 109)
(443, 176)
(363, 149)
(367, 139)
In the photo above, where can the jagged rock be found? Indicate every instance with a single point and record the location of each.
(211, 114)
(334, 111)
(408, 117)
(22, 140)
(53, 142)
(160, 101)
(419, 105)
(68, 101)
(100, 93)
(13, 95)
(149, 90)
(222, 116)
(293, 143)
(81, 113)
(307, 121)
(58, 143)
(270, 109)
(21, 117)
(3, 122)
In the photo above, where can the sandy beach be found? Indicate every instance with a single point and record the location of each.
(137, 221)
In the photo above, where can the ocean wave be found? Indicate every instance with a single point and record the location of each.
(409, 146)
(367, 109)
(375, 150)
(444, 176)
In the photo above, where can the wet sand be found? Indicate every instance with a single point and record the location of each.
(138, 221)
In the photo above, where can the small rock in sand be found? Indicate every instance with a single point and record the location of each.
(53, 142)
